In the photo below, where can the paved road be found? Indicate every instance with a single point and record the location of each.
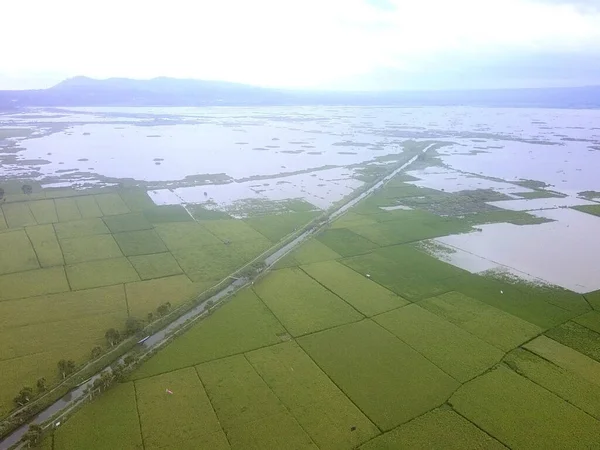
(154, 341)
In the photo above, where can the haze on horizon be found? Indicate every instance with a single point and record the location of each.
(312, 44)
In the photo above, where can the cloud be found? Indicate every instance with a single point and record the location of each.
(582, 5)
(514, 70)
(296, 43)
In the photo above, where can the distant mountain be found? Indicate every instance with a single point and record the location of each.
(162, 91)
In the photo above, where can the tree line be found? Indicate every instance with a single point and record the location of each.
(67, 367)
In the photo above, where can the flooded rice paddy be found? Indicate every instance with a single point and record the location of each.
(538, 160)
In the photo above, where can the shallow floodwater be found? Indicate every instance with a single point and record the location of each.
(321, 188)
(563, 252)
(169, 144)
(221, 156)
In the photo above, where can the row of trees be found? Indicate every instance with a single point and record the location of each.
(27, 393)
(68, 367)
(132, 326)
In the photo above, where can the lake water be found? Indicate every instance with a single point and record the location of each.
(313, 153)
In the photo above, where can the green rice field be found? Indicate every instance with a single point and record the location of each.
(356, 339)
(82, 262)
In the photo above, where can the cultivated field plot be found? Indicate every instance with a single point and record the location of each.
(170, 420)
(242, 324)
(493, 325)
(95, 426)
(301, 304)
(522, 414)
(276, 227)
(402, 384)
(579, 387)
(440, 428)
(399, 276)
(322, 410)
(64, 241)
(456, 351)
(366, 296)
(249, 412)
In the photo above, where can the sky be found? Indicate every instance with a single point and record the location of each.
(306, 44)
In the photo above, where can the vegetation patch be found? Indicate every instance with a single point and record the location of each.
(493, 325)
(88, 207)
(504, 216)
(519, 299)
(232, 230)
(440, 428)
(89, 248)
(251, 415)
(413, 227)
(157, 265)
(345, 242)
(216, 262)
(137, 199)
(3, 224)
(80, 228)
(578, 337)
(589, 320)
(242, 324)
(594, 299)
(413, 279)
(18, 215)
(67, 209)
(105, 272)
(251, 207)
(570, 385)
(95, 425)
(237, 392)
(201, 213)
(323, 411)
(590, 209)
(111, 204)
(518, 412)
(401, 383)
(540, 194)
(565, 357)
(171, 420)
(43, 211)
(144, 297)
(185, 235)
(274, 432)
(45, 245)
(314, 251)
(25, 358)
(127, 222)
(352, 219)
(65, 306)
(33, 283)
(451, 348)
(16, 252)
(144, 242)
(167, 213)
(276, 227)
(302, 304)
(363, 294)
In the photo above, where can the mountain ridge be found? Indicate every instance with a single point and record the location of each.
(166, 91)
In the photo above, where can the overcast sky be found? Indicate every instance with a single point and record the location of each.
(342, 44)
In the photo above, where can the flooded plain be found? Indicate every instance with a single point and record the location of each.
(543, 161)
